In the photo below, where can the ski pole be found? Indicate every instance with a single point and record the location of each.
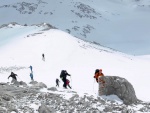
(93, 85)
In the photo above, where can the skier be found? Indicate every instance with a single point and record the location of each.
(67, 83)
(13, 77)
(31, 75)
(57, 82)
(98, 73)
(63, 76)
(30, 68)
(43, 57)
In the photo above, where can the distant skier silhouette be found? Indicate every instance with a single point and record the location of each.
(43, 57)
(13, 75)
(31, 75)
(30, 68)
(57, 82)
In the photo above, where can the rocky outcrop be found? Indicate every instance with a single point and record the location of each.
(118, 86)
(44, 109)
(29, 99)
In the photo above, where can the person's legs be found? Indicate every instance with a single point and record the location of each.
(64, 80)
(43, 59)
(13, 80)
(31, 78)
(97, 80)
(57, 84)
(69, 86)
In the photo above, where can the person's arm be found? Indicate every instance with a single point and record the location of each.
(68, 74)
(95, 76)
(9, 76)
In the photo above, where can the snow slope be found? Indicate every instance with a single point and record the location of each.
(63, 51)
(119, 24)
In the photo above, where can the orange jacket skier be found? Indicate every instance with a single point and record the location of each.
(98, 73)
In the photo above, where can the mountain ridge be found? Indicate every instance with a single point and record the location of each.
(107, 22)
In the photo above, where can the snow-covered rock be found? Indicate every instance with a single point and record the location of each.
(118, 86)
(28, 100)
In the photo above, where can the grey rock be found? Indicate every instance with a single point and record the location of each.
(2, 110)
(23, 83)
(13, 110)
(23, 99)
(27, 109)
(15, 82)
(41, 85)
(44, 109)
(73, 98)
(37, 85)
(33, 82)
(6, 97)
(108, 109)
(52, 89)
(118, 86)
(2, 83)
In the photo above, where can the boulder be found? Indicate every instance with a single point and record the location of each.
(38, 86)
(33, 82)
(52, 89)
(15, 82)
(23, 83)
(44, 109)
(118, 86)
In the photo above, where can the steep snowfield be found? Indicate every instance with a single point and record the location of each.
(119, 24)
(63, 51)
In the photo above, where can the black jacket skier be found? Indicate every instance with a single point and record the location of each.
(57, 82)
(43, 57)
(13, 76)
(63, 76)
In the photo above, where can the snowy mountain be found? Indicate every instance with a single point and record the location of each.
(24, 47)
(120, 24)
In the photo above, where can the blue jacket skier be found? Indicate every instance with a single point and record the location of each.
(30, 68)
(31, 75)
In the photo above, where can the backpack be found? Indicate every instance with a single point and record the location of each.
(96, 71)
(62, 73)
(67, 81)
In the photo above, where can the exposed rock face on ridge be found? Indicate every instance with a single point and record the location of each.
(118, 86)
(21, 98)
